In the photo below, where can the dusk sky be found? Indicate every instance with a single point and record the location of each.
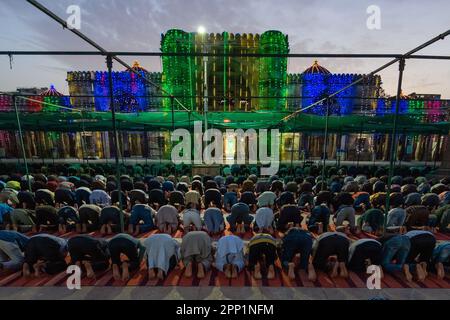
(312, 26)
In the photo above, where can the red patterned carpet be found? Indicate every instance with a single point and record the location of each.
(217, 279)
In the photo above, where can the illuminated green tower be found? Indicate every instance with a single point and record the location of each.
(177, 78)
(273, 71)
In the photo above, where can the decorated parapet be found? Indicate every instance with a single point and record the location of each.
(89, 90)
(178, 71)
(53, 98)
(273, 70)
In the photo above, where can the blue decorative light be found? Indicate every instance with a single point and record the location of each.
(129, 91)
(316, 86)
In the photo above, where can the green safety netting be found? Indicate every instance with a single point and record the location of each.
(162, 120)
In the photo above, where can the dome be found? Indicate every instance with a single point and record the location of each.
(137, 67)
(316, 68)
(51, 92)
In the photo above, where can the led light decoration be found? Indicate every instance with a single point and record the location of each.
(273, 71)
(54, 97)
(318, 82)
(177, 70)
(131, 92)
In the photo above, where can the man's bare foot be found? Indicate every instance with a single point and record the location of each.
(160, 274)
(200, 270)
(227, 271)
(103, 230)
(116, 272)
(89, 271)
(125, 271)
(381, 272)
(37, 269)
(26, 270)
(271, 272)
(319, 228)
(257, 272)
(234, 271)
(291, 273)
(130, 229)
(334, 269)
(188, 271)
(343, 270)
(312, 276)
(137, 230)
(420, 273)
(151, 273)
(424, 266)
(407, 273)
(440, 270)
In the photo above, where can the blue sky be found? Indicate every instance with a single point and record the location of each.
(326, 26)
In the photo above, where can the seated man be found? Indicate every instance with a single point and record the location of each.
(421, 252)
(331, 244)
(397, 215)
(417, 217)
(229, 256)
(319, 219)
(230, 197)
(297, 241)
(109, 218)
(363, 253)
(443, 218)
(167, 219)
(193, 197)
(137, 196)
(45, 253)
(156, 198)
(289, 216)
(196, 249)
(90, 252)
(249, 198)
(264, 220)
(132, 248)
(64, 197)
(82, 195)
(89, 217)
(372, 220)
(212, 197)
(12, 247)
(141, 219)
(162, 255)
(176, 199)
(395, 248)
(262, 249)
(23, 218)
(441, 258)
(44, 197)
(191, 218)
(345, 211)
(46, 217)
(240, 218)
(68, 216)
(5, 214)
(100, 198)
(214, 221)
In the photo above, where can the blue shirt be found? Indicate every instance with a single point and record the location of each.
(14, 236)
(4, 208)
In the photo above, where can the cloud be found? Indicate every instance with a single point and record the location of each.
(312, 26)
